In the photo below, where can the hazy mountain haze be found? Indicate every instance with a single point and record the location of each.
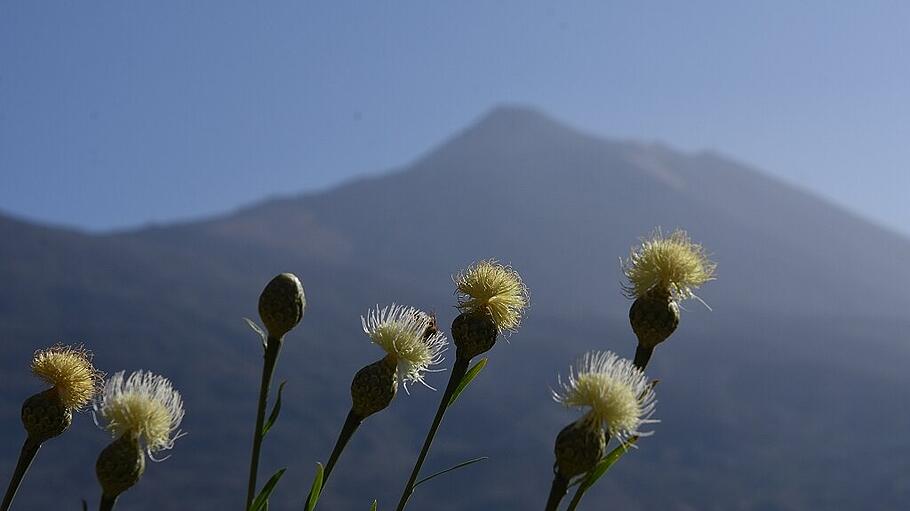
(785, 396)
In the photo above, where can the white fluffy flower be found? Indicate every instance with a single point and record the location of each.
(406, 333)
(619, 395)
(145, 404)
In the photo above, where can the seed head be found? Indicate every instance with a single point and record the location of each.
(672, 263)
(145, 404)
(410, 335)
(493, 289)
(69, 370)
(618, 393)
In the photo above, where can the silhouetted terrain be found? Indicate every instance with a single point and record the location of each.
(791, 394)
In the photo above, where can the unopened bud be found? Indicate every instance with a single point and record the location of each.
(281, 304)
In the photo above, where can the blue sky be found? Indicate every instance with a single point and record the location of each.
(115, 114)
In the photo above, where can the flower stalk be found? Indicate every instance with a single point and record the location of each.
(412, 343)
(281, 306)
(26, 456)
(459, 369)
(272, 347)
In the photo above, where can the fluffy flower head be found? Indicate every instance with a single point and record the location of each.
(617, 393)
(145, 404)
(494, 289)
(410, 335)
(671, 262)
(69, 370)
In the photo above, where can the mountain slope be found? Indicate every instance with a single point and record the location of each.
(762, 398)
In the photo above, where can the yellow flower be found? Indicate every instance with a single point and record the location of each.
(144, 404)
(406, 333)
(69, 370)
(672, 263)
(494, 289)
(618, 394)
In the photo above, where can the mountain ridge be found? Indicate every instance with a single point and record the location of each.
(803, 348)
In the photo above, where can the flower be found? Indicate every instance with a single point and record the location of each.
(494, 289)
(672, 263)
(406, 333)
(69, 370)
(144, 404)
(619, 395)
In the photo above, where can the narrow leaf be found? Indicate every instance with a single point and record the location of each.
(84, 505)
(316, 489)
(467, 379)
(373, 507)
(256, 328)
(275, 411)
(261, 501)
(600, 469)
(456, 467)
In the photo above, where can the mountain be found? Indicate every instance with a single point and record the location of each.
(786, 395)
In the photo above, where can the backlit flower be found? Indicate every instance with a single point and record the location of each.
(69, 370)
(617, 393)
(406, 333)
(673, 264)
(145, 404)
(494, 289)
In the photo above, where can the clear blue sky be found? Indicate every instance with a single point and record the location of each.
(115, 114)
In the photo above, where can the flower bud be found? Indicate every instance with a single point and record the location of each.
(474, 333)
(120, 465)
(281, 304)
(579, 446)
(45, 416)
(374, 387)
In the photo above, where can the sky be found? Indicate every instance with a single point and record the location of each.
(119, 114)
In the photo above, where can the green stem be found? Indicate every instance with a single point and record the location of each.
(272, 347)
(575, 500)
(458, 371)
(351, 424)
(557, 491)
(29, 450)
(642, 356)
(107, 503)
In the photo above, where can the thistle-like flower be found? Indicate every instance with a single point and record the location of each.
(493, 289)
(663, 271)
(69, 370)
(145, 405)
(73, 382)
(409, 335)
(673, 264)
(618, 395)
(49, 413)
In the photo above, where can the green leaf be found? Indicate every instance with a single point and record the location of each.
(600, 469)
(256, 328)
(316, 489)
(467, 379)
(456, 467)
(373, 507)
(261, 502)
(275, 410)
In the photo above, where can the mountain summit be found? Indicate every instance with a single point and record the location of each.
(762, 398)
